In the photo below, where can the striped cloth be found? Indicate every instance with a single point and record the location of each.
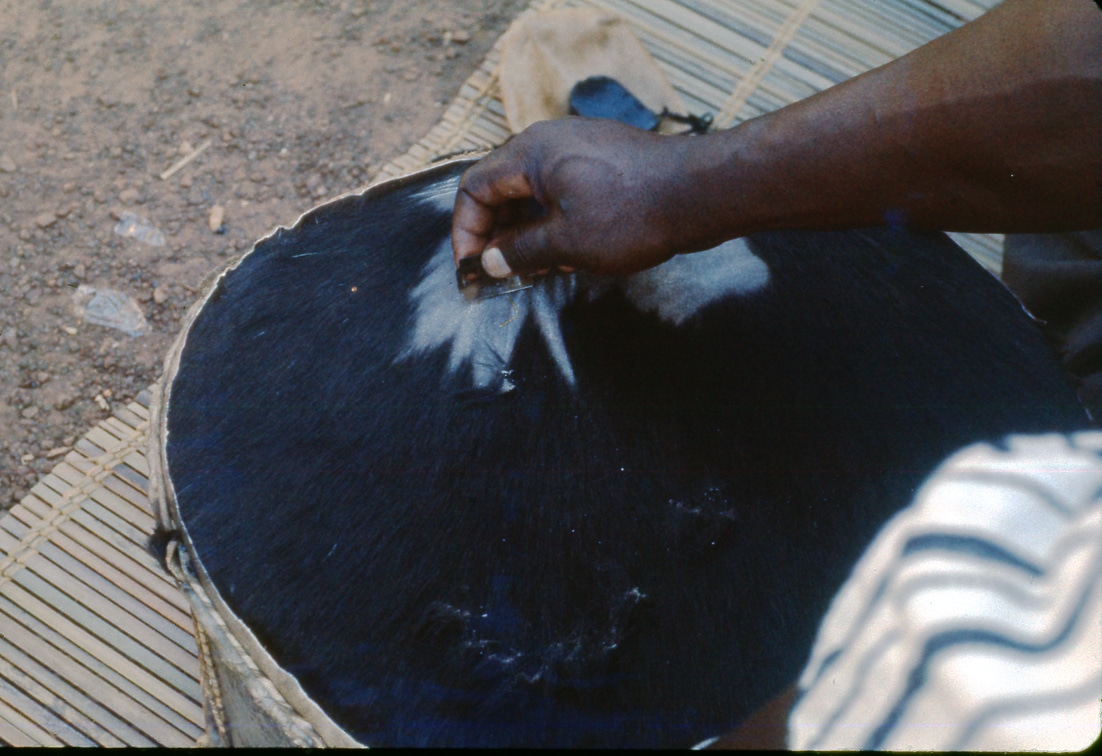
(974, 620)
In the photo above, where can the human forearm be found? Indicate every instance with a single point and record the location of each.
(994, 127)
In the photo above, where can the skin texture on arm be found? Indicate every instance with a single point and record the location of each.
(995, 127)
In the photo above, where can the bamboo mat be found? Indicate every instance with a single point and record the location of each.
(96, 644)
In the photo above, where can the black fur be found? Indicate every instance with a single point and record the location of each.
(639, 560)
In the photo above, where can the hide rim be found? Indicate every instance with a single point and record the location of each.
(270, 690)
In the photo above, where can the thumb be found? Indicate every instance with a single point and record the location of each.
(525, 249)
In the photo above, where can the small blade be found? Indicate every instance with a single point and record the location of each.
(476, 283)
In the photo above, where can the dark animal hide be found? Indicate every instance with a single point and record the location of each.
(592, 513)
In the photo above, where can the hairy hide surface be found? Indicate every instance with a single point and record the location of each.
(594, 513)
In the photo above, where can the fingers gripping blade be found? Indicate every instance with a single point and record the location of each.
(476, 283)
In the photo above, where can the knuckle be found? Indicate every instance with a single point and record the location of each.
(522, 253)
(471, 183)
(538, 129)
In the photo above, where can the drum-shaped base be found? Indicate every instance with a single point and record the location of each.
(597, 512)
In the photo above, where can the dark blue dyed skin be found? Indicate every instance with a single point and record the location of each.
(640, 560)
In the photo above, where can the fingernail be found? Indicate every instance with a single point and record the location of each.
(493, 262)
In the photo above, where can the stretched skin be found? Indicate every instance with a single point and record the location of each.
(634, 552)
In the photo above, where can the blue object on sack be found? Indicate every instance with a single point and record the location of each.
(604, 97)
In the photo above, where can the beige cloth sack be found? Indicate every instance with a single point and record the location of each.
(544, 55)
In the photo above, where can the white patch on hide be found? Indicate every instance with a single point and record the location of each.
(483, 333)
(684, 284)
(548, 299)
(440, 195)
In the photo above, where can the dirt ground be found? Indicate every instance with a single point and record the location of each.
(287, 103)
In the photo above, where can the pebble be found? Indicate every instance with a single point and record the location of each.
(65, 402)
(7, 165)
(160, 294)
(45, 220)
(217, 218)
(29, 412)
(461, 37)
(130, 196)
(11, 338)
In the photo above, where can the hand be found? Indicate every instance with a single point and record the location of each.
(974, 131)
(573, 193)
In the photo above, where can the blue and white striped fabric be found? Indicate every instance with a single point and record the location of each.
(974, 620)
